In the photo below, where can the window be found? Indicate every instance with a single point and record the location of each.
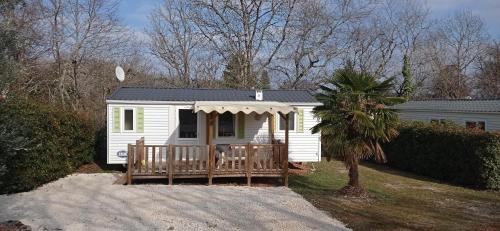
(128, 120)
(291, 122)
(481, 125)
(188, 122)
(226, 125)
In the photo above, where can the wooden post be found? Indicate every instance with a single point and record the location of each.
(129, 164)
(139, 155)
(170, 164)
(153, 167)
(210, 117)
(249, 163)
(211, 163)
(271, 126)
(285, 161)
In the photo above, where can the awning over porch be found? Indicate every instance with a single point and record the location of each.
(246, 107)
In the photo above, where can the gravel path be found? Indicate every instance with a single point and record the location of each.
(92, 202)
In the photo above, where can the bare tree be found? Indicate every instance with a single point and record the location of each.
(464, 36)
(487, 76)
(20, 39)
(373, 41)
(445, 85)
(80, 31)
(174, 39)
(316, 36)
(256, 29)
(410, 19)
(451, 49)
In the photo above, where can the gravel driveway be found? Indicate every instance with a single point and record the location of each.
(93, 202)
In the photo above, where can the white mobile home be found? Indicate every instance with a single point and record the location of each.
(180, 116)
(481, 114)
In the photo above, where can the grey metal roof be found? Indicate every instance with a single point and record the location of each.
(465, 105)
(197, 94)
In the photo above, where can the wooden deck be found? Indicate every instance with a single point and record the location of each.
(204, 161)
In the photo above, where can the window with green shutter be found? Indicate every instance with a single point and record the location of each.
(128, 119)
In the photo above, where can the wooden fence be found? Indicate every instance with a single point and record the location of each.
(204, 161)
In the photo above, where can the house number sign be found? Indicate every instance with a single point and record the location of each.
(122, 153)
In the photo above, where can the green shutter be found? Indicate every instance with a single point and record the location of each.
(241, 125)
(116, 119)
(139, 119)
(300, 121)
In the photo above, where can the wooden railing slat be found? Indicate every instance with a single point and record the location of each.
(226, 161)
(177, 158)
(170, 162)
(179, 162)
(232, 160)
(146, 159)
(153, 161)
(257, 158)
(193, 159)
(201, 158)
(265, 158)
(271, 164)
(160, 166)
(187, 158)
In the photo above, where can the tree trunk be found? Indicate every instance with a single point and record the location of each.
(353, 174)
(353, 188)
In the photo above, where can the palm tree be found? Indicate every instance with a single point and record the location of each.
(355, 119)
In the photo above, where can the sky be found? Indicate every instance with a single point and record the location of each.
(488, 10)
(135, 13)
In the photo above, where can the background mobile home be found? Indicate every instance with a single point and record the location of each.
(481, 114)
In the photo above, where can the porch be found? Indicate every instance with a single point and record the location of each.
(206, 161)
(209, 160)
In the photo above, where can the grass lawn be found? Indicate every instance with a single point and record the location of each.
(400, 200)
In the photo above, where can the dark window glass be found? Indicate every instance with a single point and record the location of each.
(226, 124)
(188, 122)
(128, 120)
(291, 122)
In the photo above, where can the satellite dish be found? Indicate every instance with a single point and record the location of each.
(120, 74)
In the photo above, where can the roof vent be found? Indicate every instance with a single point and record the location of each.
(259, 95)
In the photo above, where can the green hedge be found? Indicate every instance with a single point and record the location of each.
(39, 144)
(447, 152)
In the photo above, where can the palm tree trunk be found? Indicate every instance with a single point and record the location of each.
(353, 174)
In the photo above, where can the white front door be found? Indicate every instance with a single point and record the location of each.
(188, 126)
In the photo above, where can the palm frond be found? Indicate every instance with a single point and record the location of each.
(354, 116)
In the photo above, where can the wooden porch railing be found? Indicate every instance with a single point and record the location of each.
(203, 161)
